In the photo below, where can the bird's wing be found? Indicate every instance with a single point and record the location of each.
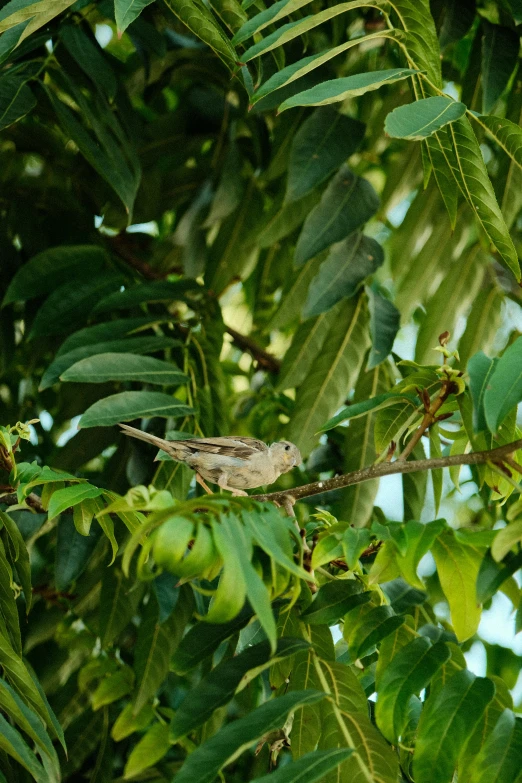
(243, 448)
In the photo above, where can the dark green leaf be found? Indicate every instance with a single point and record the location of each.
(156, 291)
(347, 265)
(126, 12)
(139, 345)
(203, 639)
(219, 686)
(127, 406)
(205, 762)
(261, 20)
(385, 321)
(480, 369)
(45, 271)
(14, 745)
(503, 388)
(500, 47)
(323, 142)
(446, 723)
(458, 18)
(309, 768)
(370, 628)
(333, 600)
(307, 342)
(407, 674)
(73, 551)
(499, 757)
(200, 21)
(124, 367)
(367, 406)
(22, 562)
(90, 58)
(16, 99)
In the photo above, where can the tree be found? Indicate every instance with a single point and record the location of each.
(215, 219)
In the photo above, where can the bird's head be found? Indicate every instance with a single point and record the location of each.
(285, 455)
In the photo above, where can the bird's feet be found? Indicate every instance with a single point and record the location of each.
(222, 482)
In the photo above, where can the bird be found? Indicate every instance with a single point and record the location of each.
(233, 463)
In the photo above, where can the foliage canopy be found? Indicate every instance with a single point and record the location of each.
(262, 220)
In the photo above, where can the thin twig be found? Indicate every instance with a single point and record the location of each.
(391, 468)
(264, 359)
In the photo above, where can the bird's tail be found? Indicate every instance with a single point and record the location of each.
(161, 443)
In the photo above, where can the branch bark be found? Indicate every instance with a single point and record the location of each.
(264, 359)
(388, 469)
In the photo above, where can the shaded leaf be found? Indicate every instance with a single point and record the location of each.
(385, 321)
(312, 767)
(127, 406)
(480, 369)
(16, 99)
(126, 11)
(500, 47)
(124, 367)
(333, 600)
(503, 388)
(73, 551)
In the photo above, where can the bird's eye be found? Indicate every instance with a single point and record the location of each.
(287, 448)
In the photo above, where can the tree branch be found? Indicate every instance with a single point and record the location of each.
(264, 359)
(388, 469)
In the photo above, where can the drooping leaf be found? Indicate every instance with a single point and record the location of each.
(12, 742)
(480, 369)
(155, 291)
(333, 600)
(500, 46)
(420, 37)
(507, 134)
(506, 539)
(504, 386)
(458, 18)
(471, 174)
(206, 761)
(482, 323)
(370, 405)
(384, 324)
(309, 768)
(347, 265)
(90, 58)
(23, 564)
(332, 375)
(323, 142)
(446, 723)
(16, 99)
(337, 90)
(150, 749)
(416, 121)
(198, 18)
(73, 551)
(367, 630)
(306, 346)
(269, 16)
(71, 496)
(127, 406)
(499, 757)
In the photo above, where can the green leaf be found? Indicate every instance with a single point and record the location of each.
(155, 645)
(503, 389)
(480, 369)
(412, 540)
(108, 331)
(139, 345)
(309, 768)
(113, 688)
(499, 757)
(8, 608)
(73, 551)
(150, 749)
(347, 265)
(12, 743)
(37, 14)
(306, 345)
(437, 475)
(392, 421)
(507, 134)
(385, 321)
(124, 367)
(294, 294)
(203, 639)
(365, 632)
(471, 174)
(416, 121)
(287, 32)
(285, 217)
(29, 722)
(458, 18)
(333, 600)
(482, 323)
(118, 603)
(409, 671)
(71, 496)
(440, 154)
(420, 37)
(323, 142)
(452, 299)
(373, 756)
(71, 303)
(506, 539)
(258, 22)
(126, 723)
(126, 11)
(22, 562)
(355, 541)
(88, 55)
(414, 486)
(16, 99)
(332, 375)
(500, 46)
(200, 21)
(367, 406)
(127, 406)
(206, 761)
(155, 291)
(458, 567)
(446, 723)
(337, 90)
(45, 271)
(218, 687)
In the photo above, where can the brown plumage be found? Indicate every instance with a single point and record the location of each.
(234, 463)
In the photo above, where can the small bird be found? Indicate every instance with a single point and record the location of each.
(232, 463)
